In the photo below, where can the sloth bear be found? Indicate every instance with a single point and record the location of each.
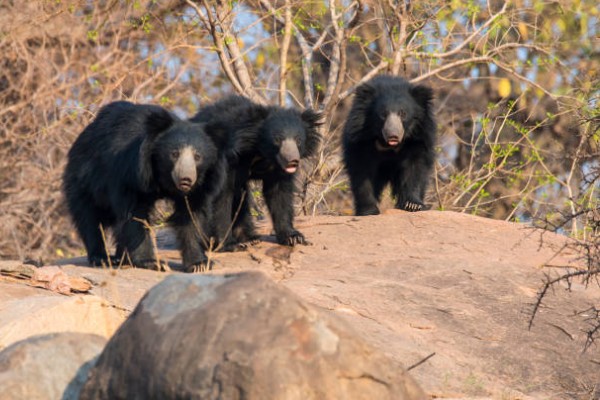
(126, 159)
(264, 143)
(389, 137)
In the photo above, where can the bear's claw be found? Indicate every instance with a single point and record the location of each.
(413, 206)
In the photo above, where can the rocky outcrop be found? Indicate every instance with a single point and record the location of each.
(411, 284)
(240, 337)
(52, 366)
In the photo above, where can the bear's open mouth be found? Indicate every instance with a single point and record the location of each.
(292, 166)
(393, 141)
(185, 185)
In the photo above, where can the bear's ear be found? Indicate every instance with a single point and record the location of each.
(243, 141)
(361, 107)
(158, 120)
(313, 120)
(312, 117)
(422, 94)
(364, 92)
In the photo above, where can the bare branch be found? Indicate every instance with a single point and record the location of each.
(285, 48)
(452, 65)
(336, 54)
(380, 67)
(467, 40)
(402, 18)
(307, 55)
(232, 44)
(219, 43)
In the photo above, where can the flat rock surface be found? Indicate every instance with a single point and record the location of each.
(415, 284)
(26, 311)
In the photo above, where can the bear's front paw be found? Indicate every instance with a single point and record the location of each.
(203, 266)
(247, 244)
(360, 212)
(103, 261)
(292, 238)
(413, 206)
(150, 264)
(227, 246)
(246, 236)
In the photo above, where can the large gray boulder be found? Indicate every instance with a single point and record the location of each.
(240, 336)
(51, 366)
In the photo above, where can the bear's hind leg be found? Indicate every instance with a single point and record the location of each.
(243, 228)
(87, 220)
(365, 198)
(134, 242)
(221, 221)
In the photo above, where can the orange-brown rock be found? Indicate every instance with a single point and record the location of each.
(411, 284)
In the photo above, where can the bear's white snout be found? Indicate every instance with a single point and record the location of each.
(184, 171)
(289, 156)
(393, 130)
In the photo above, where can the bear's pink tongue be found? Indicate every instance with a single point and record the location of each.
(393, 142)
(291, 166)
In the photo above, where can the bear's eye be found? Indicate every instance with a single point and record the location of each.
(197, 157)
(277, 140)
(175, 154)
(402, 114)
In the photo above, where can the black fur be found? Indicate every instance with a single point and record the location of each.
(123, 162)
(372, 158)
(255, 137)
